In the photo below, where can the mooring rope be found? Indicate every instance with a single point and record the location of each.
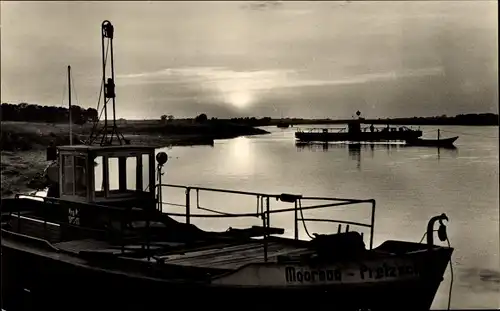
(303, 221)
(96, 122)
(451, 273)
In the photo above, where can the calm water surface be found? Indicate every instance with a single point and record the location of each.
(410, 185)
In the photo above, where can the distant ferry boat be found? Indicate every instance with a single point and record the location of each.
(354, 132)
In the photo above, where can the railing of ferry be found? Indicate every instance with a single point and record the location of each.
(321, 130)
(264, 210)
(120, 214)
(376, 128)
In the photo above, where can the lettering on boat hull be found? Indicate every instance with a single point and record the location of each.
(73, 216)
(299, 275)
(362, 274)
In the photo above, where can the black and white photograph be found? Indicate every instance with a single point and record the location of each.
(264, 155)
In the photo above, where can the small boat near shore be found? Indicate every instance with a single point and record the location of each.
(445, 143)
(439, 142)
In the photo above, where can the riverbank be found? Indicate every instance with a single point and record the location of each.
(23, 144)
(23, 136)
(19, 169)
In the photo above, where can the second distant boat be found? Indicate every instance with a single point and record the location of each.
(439, 142)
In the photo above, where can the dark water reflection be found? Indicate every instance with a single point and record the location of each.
(355, 150)
(410, 184)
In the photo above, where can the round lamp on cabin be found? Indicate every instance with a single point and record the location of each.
(161, 158)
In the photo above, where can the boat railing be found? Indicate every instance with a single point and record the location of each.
(263, 211)
(322, 130)
(263, 207)
(50, 205)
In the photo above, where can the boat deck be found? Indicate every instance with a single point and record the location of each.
(232, 257)
(224, 256)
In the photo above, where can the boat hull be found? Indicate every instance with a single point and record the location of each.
(447, 142)
(362, 136)
(43, 278)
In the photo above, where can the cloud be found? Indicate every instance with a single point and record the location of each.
(228, 90)
(227, 80)
(262, 5)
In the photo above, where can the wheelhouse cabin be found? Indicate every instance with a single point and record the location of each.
(109, 175)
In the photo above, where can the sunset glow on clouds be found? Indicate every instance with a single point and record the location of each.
(241, 88)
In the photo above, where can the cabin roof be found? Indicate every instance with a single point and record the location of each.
(94, 148)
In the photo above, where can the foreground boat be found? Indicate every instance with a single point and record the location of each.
(101, 240)
(118, 246)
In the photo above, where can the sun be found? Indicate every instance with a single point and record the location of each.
(239, 99)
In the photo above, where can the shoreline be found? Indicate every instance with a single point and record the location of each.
(23, 144)
(23, 136)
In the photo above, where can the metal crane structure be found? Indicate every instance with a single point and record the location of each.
(109, 129)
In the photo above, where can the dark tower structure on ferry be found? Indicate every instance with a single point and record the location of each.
(109, 130)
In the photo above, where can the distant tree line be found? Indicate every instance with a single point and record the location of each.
(461, 119)
(50, 114)
(79, 115)
(249, 121)
(167, 118)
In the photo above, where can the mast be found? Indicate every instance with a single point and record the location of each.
(69, 104)
(108, 90)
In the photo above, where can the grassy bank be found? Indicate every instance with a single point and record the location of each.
(23, 144)
(23, 136)
(19, 170)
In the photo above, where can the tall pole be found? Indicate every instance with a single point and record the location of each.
(113, 79)
(103, 36)
(69, 104)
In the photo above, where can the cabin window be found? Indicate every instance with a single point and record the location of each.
(67, 175)
(114, 182)
(98, 174)
(145, 172)
(80, 176)
(132, 173)
(74, 175)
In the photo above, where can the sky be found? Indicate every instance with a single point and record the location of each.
(260, 58)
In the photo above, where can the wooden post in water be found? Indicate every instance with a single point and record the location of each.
(439, 134)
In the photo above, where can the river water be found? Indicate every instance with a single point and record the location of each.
(409, 184)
